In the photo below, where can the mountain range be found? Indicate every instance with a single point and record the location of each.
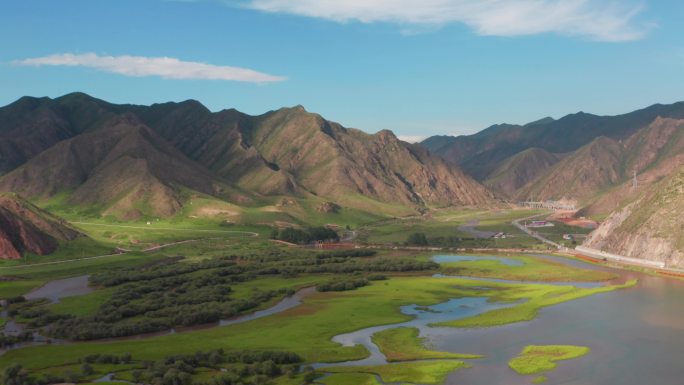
(132, 161)
(577, 157)
(628, 168)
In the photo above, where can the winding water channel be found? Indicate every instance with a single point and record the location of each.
(636, 335)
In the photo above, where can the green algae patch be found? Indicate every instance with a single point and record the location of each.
(542, 358)
(405, 344)
(533, 298)
(416, 372)
(530, 269)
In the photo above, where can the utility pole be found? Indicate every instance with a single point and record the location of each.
(635, 182)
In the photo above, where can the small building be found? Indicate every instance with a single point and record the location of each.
(540, 224)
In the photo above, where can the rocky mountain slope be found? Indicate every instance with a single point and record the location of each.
(482, 155)
(131, 161)
(604, 167)
(519, 170)
(652, 227)
(126, 169)
(26, 228)
(32, 125)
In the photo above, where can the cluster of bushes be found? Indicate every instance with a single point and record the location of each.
(7, 340)
(14, 300)
(118, 277)
(113, 359)
(417, 239)
(17, 375)
(376, 277)
(356, 253)
(127, 314)
(35, 311)
(342, 285)
(345, 284)
(306, 236)
(246, 368)
(159, 297)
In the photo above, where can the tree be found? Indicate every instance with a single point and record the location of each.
(86, 369)
(417, 239)
(15, 375)
(309, 375)
(137, 375)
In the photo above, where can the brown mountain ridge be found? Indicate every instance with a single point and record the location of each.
(603, 170)
(132, 161)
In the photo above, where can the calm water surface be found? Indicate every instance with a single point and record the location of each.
(636, 336)
(61, 288)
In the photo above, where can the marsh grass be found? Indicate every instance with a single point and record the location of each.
(536, 359)
(405, 344)
(415, 372)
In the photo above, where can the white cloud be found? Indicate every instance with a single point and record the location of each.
(602, 20)
(165, 67)
(412, 138)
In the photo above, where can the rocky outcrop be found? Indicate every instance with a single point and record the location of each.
(328, 208)
(606, 165)
(26, 228)
(651, 228)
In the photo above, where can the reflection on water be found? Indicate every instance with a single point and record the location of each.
(285, 304)
(61, 288)
(423, 316)
(471, 258)
(636, 336)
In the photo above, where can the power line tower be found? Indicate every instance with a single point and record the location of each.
(635, 181)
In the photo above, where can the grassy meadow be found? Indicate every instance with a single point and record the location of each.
(307, 329)
(531, 269)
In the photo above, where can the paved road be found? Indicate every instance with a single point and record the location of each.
(58, 262)
(349, 236)
(151, 227)
(535, 234)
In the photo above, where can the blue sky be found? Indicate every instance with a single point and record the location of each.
(416, 67)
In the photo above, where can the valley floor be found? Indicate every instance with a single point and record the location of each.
(167, 306)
